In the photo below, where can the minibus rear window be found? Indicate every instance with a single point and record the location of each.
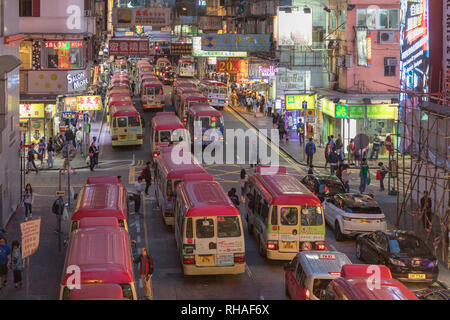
(311, 216)
(164, 136)
(122, 122)
(204, 228)
(289, 216)
(228, 227)
(134, 121)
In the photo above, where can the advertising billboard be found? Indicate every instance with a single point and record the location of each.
(236, 42)
(300, 101)
(294, 28)
(198, 52)
(128, 47)
(155, 17)
(414, 41)
(293, 80)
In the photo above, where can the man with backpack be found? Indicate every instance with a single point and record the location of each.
(333, 159)
(147, 175)
(145, 271)
(310, 150)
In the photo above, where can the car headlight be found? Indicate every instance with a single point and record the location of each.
(396, 262)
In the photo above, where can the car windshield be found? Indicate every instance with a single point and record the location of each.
(228, 227)
(367, 210)
(311, 216)
(330, 187)
(319, 285)
(406, 244)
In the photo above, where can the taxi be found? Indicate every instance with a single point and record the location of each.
(310, 272)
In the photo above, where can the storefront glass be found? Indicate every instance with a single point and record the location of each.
(25, 54)
(36, 121)
(63, 54)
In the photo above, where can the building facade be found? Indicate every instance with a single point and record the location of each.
(9, 114)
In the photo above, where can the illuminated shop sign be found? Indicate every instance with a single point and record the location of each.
(32, 110)
(77, 81)
(198, 52)
(63, 44)
(414, 41)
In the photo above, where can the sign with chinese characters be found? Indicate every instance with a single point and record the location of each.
(155, 17)
(290, 80)
(33, 110)
(230, 65)
(310, 115)
(181, 49)
(373, 112)
(236, 42)
(341, 111)
(77, 81)
(242, 74)
(69, 115)
(89, 103)
(328, 107)
(128, 47)
(31, 231)
(198, 52)
(298, 102)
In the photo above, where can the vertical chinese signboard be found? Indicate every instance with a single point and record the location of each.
(30, 236)
(128, 47)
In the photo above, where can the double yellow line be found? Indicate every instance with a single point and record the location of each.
(263, 138)
(132, 171)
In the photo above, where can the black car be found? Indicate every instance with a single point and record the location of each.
(168, 77)
(405, 254)
(323, 185)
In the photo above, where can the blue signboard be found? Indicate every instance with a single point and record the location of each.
(68, 115)
(86, 117)
(236, 42)
(305, 104)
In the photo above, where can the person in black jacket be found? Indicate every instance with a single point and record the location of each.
(92, 152)
(147, 175)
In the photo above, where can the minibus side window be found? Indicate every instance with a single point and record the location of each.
(311, 216)
(114, 123)
(189, 231)
(265, 212)
(274, 218)
(204, 228)
(134, 121)
(299, 272)
(257, 204)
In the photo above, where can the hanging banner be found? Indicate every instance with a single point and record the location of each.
(298, 102)
(231, 66)
(77, 81)
(128, 47)
(155, 17)
(198, 52)
(236, 42)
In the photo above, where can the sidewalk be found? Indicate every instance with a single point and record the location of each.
(293, 147)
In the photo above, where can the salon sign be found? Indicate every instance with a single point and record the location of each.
(77, 81)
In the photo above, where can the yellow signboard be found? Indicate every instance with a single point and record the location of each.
(89, 103)
(32, 110)
(298, 102)
(70, 103)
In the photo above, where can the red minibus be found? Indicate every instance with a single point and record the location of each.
(120, 101)
(169, 173)
(101, 200)
(102, 179)
(186, 100)
(208, 229)
(152, 95)
(125, 126)
(211, 121)
(354, 284)
(98, 255)
(166, 130)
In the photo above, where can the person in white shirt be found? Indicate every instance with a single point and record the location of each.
(138, 189)
(78, 138)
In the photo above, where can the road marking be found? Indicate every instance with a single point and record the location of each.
(249, 273)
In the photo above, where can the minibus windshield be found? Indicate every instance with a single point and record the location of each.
(228, 227)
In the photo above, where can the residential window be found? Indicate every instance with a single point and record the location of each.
(378, 19)
(389, 71)
(29, 8)
(343, 19)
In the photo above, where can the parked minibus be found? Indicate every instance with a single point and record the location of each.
(125, 126)
(166, 130)
(186, 67)
(212, 126)
(216, 92)
(208, 229)
(283, 214)
(101, 200)
(168, 174)
(180, 90)
(101, 255)
(152, 95)
(120, 100)
(185, 102)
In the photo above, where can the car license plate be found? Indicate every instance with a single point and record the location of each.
(205, 259)
(288, 245)
(364, 221)
(416, 276)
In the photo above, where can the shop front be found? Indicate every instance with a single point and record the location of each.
(37, 121)
(300, 111)
(328, 122)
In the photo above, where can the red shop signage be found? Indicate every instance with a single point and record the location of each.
(128, 47)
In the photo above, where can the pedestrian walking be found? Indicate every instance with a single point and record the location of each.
(30, 159)
(301, 132)
(69, 135)
(41, 150)
(50, 153)
(28, 200)
(281, 128)
(133, 86)
(147, 175)
(243, 181)
(234, 198)
(275, 118)
(310, 150)
(5, 261)
(138, 189)
(381, 173)
(333, 159)
(79, 139)
(58, 210)
(338, 144)
(269, 107)
(426, 206)
(332, 143)
(16, 263)
(92, 150)
(345, 177)
(96, 151)
(68, 153)
(364, 176)
(375, 147)
(328, 150)
(146, 271)
(351, 152)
